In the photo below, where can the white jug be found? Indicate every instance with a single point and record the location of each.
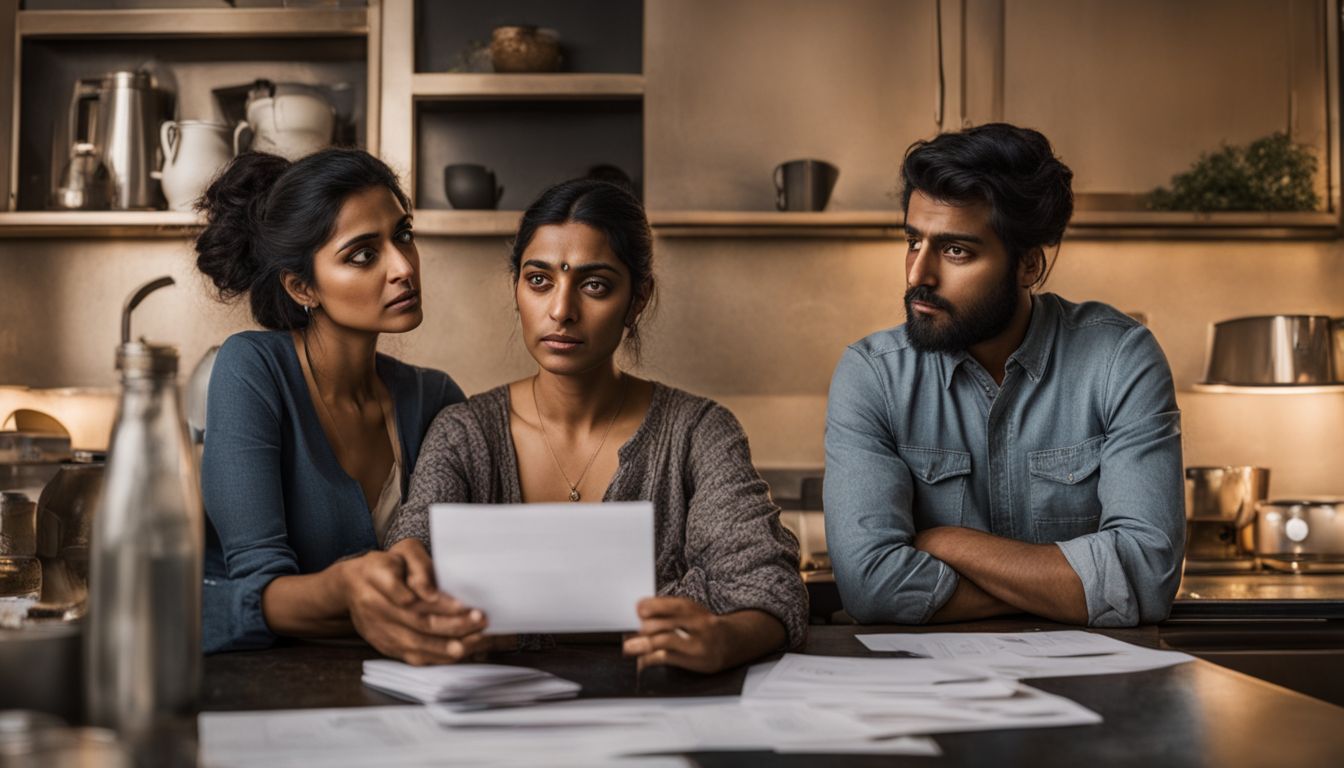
(291, 125)
(193, 152)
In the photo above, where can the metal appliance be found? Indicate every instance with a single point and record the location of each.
(1273, 350)
(1220, 516)
(1300, 535)
(119, 114)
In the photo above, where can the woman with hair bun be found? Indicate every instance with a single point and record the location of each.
(310, 432)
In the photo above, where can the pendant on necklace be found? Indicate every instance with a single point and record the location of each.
(573, 494)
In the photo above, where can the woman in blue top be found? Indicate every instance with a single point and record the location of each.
(310, 433)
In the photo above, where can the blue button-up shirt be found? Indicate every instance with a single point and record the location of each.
(1080, 446)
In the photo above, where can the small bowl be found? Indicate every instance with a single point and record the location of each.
(525, 49)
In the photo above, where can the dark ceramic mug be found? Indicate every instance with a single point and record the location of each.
(804, 185)
(471, 187)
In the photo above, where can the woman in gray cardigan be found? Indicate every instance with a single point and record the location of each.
(582, 429)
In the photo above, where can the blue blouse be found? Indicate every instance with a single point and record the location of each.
(277, 501)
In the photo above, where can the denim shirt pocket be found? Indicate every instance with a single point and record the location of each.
(1064, 501)
(940, 483)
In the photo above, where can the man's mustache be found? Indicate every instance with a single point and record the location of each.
(925, 295)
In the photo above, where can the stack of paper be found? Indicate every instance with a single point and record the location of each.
(466, 685)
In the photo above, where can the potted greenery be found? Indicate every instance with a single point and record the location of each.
(1269, 174)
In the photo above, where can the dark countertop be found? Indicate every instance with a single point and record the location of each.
(1196, 714)
(1260, 594)
(1248, 595)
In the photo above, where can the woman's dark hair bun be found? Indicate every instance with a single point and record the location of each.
(226, 250)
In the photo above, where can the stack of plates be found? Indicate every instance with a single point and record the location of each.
(466, 686)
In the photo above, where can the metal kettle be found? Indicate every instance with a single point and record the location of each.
(119, 114)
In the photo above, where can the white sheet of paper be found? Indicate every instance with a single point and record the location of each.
(546, 567)
(796, 676)
(1021, 655)
(695, 724)
(409, 737)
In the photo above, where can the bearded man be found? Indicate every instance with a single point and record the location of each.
(1003, 451)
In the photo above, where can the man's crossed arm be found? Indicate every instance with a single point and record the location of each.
(1001, 576)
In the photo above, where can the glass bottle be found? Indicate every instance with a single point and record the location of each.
(143, 641)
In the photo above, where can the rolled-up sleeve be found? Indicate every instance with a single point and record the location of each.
(738, 554)
(870, 527)
(1131, 567)
(244, 499)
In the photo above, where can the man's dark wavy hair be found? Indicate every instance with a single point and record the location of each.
(1012, 170)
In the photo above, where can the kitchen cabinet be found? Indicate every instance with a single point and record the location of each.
(735, 89)
(191, 52)
(1131, 92)
(532, 130)
(699, 100)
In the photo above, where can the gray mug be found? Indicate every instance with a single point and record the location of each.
(804, 185)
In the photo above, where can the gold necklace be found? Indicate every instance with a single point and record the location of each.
(574, 486)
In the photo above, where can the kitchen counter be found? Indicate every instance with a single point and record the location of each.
(1249, 595)
(1196, 714)
(1260, 595)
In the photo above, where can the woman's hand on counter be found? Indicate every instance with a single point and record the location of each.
(395, 606)
(680, 632)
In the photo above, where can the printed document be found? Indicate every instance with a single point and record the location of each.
(546, 567)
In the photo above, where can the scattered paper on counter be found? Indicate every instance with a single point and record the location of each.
(397, 737)
(1019, 655)
(900, 697)
(799, 704)
(720, 723)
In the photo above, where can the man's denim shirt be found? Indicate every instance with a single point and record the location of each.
(1081, 446)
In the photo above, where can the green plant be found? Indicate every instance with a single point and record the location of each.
(1270, 174)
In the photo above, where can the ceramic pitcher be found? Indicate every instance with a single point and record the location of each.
(291, 125)
(193, 152)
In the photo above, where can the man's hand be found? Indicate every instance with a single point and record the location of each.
(395, 606)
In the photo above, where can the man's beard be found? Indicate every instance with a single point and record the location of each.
(963, 328)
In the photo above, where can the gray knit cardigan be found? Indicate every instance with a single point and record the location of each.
(718, 539)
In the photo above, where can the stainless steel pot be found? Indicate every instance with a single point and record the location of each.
(1300, 534)
(1272, 350)
(1220, 509)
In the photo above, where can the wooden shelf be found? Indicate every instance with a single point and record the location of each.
(430, 221)
(76, 224)
(1087, 225)
(449, 86)
(1191, 225)
(681, 223)
(880, 224)
(207, 22)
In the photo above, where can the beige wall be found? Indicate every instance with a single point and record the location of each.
(758, 324)
(733, 89)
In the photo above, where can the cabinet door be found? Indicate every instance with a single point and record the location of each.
(1132, 91)
(733, 89)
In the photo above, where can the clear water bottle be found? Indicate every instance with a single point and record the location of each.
(143, 639)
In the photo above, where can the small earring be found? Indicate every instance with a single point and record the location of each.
(308, 310)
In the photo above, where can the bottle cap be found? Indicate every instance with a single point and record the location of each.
(140, 359)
